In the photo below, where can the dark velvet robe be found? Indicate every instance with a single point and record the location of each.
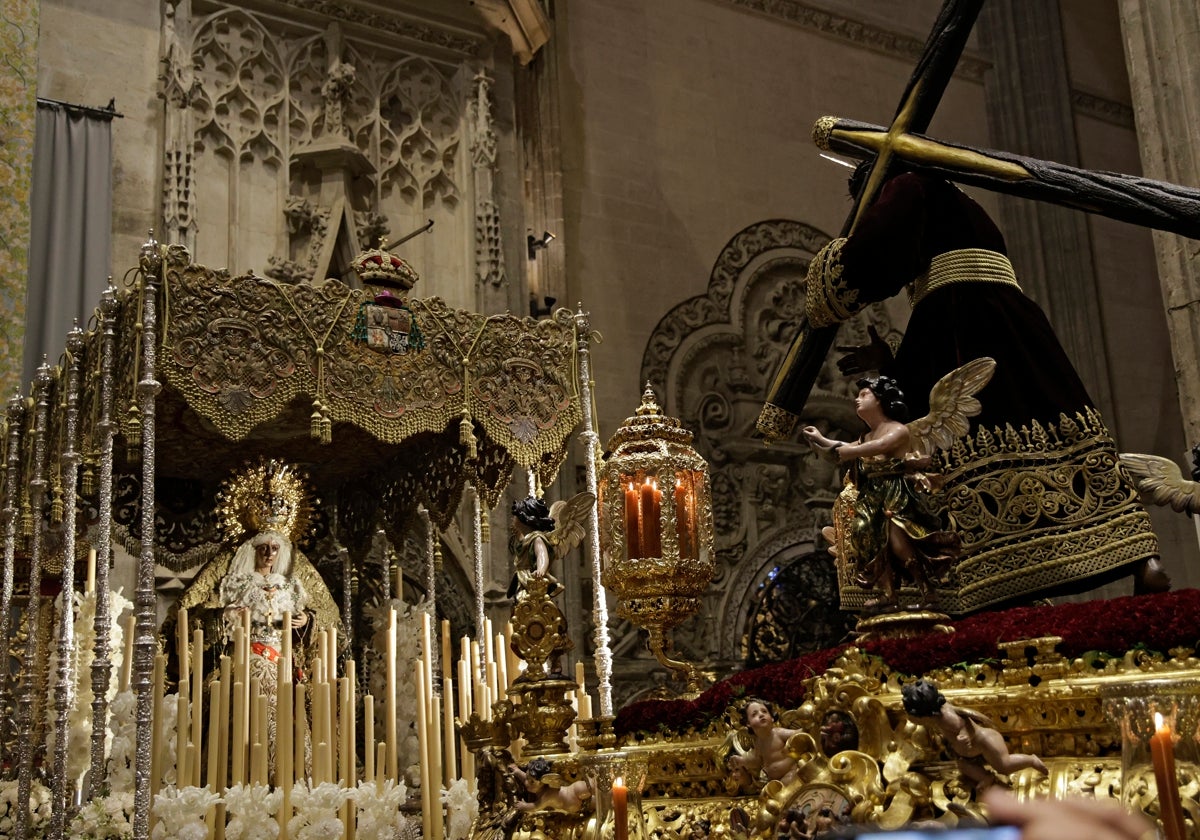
(916, 218)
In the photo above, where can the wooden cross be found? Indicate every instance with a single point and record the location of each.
(921, 97)
(1140, 201)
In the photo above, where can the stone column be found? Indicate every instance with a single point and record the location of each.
(18, 104)
(1028, 100)
(1162, 53)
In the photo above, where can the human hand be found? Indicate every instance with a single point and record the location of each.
(862, 358)
(1075, 818)
(299, 620)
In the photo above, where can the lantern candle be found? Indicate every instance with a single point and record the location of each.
(1162, 751)
(633, 523)
(620, 800)
(651, 521)
(684, 521)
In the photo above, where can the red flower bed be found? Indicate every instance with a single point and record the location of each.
(1155, 622)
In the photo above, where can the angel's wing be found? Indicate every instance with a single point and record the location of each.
(569, 516)
(1161, 482)
(951, 402)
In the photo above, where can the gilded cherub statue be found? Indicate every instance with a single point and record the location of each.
(970, 735)
(539, 535)
(885, 525)
(549, 791)
(769, 755)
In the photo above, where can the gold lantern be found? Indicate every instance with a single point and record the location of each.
(656, 529)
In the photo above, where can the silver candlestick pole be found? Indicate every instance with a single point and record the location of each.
(42, 382)
(101, 665)
(477, 545)
(152, 264)
(12, 475)
(435, 650)
(64, 689)
(591, 445)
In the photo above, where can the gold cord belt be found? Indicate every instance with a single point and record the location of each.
(968, 265)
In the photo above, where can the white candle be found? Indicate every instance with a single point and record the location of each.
(489, 651)
(446, 669)
(369, 737)
(450, 762)
(127, 660)
(390, 700)
(502, 664)
(183, 727)
(156, 747)
(423, 745)
(91, 572)
(197, 700)
(299, 771)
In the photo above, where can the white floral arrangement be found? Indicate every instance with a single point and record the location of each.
(180, 813)
(252, 809)
(408, 650)
(39, 809)
(318, 812)
(104, 818)
(122, 726)
(463, 808)
(379, 815)
(79, 714)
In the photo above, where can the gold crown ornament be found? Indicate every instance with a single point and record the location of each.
(271, 495)
(379, 268)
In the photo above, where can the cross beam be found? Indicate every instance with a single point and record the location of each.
(1128, 198)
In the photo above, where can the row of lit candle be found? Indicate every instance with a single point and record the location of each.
(643, 519)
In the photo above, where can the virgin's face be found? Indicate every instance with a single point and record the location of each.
(265, 555)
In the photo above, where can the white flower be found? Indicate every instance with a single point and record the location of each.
(462, 806)
(253, 809)
(317, 812)
(181, 812)
(106, 818)
(379, 814)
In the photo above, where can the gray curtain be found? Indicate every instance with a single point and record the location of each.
(71, 228)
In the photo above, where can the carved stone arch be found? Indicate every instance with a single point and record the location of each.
(710, 360)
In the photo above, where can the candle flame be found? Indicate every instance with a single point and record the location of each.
(620, 782)
(1158, 720)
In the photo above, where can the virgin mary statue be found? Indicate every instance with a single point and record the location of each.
(264, 510)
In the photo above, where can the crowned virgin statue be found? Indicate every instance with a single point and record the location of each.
(264, 510)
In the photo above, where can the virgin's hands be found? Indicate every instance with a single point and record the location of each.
(299, 620)
(874, 356)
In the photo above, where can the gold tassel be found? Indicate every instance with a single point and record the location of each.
(133, 434)
(87, 482)
(26, 519)
(316, 421)
(326, 425)
(466, 435)
(56, 504)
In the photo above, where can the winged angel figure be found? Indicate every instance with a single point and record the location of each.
(886, 530)
(539, 534)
